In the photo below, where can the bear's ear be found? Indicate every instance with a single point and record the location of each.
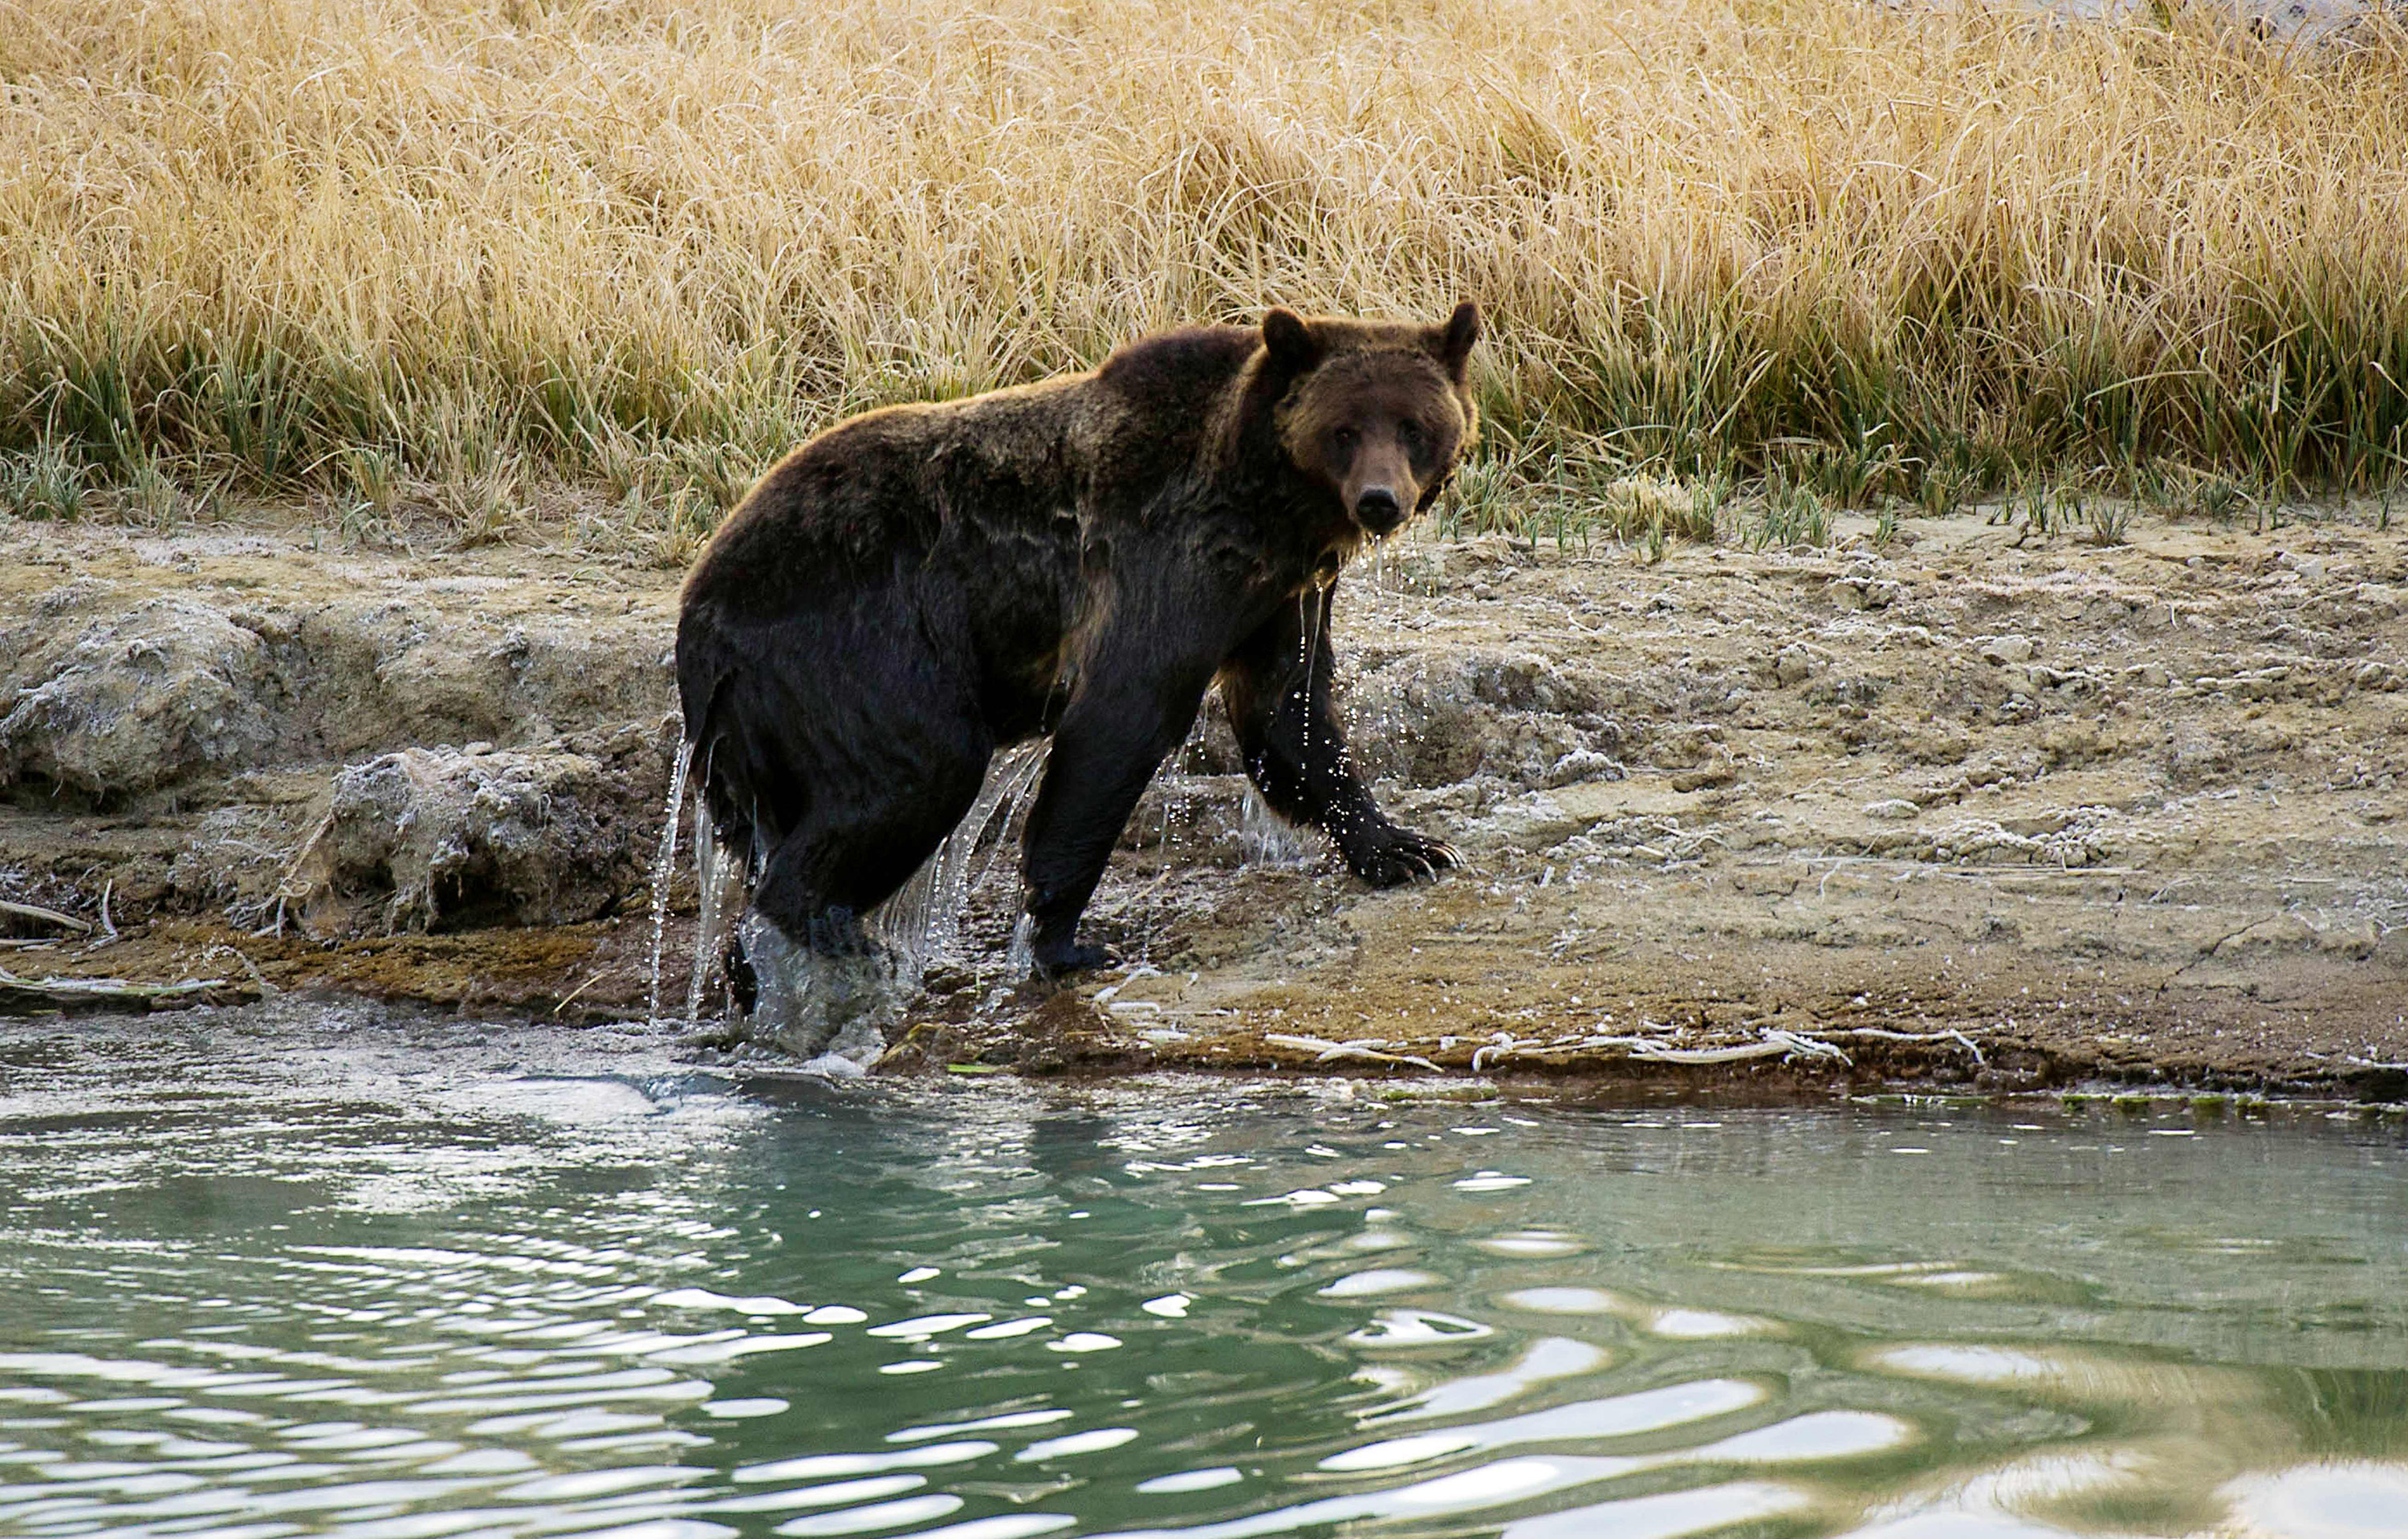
(1453, 342)
(1290, 342)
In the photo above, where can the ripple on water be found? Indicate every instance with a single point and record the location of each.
(819, 1316)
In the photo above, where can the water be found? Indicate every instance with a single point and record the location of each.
(663, 864)
(390, 1288)
(921, 925)
(719, 881)
(808, 1001)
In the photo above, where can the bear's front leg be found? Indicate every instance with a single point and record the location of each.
(1133, 707)
(1277, 686)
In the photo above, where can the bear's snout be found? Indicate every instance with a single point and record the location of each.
(1378, 510)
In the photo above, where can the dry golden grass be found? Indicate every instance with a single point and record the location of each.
(383, 249)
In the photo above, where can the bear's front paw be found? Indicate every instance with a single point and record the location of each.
(1401, 857)
(1057, 959)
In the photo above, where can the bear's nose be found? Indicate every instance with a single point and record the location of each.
(1378, 510)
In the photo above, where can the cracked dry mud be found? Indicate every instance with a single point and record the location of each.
(1958, 810)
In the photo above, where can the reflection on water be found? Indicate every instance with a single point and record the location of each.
(256, 1304)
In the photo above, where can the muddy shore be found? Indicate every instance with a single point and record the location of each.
(1970, 810)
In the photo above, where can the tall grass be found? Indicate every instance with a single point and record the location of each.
(377, 247)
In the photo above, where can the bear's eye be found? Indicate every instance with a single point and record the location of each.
(1408, 433)
(1345, 438)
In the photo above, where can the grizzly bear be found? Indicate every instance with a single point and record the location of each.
(920, 585)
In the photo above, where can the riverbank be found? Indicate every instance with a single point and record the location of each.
(1979, 807)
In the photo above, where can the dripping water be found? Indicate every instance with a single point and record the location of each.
(1015, 812)
(917, 927)
(922, 922)
(1375, 590)
(1020, 957)
(1309, 604)
(662, 866)
(719, 884)
(1393, 586)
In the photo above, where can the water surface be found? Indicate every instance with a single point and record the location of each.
(253, 1291)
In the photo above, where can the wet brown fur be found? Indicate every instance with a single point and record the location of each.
(922, 584)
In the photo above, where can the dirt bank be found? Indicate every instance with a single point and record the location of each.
(1973, 807)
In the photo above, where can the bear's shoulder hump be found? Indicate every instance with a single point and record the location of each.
(1180, 361)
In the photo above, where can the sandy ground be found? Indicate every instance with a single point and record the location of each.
(1972, 809)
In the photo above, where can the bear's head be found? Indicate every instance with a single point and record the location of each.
(1374, 413)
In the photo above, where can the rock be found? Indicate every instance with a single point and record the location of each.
(381, 674)
(1582, 764)
(1688, 744)
(1796, 662)
(1897, 808)
(1864, 589)
(2008, 649)
(176, 689)
(1533, 821)
(138, 702)
(1441, 719)
(2039, 825)
(545, 836)
(1712, 777)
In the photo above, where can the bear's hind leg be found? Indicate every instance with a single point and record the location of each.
(816, 982)
(851, 852)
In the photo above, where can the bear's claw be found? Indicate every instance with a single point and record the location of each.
(1403, 858)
